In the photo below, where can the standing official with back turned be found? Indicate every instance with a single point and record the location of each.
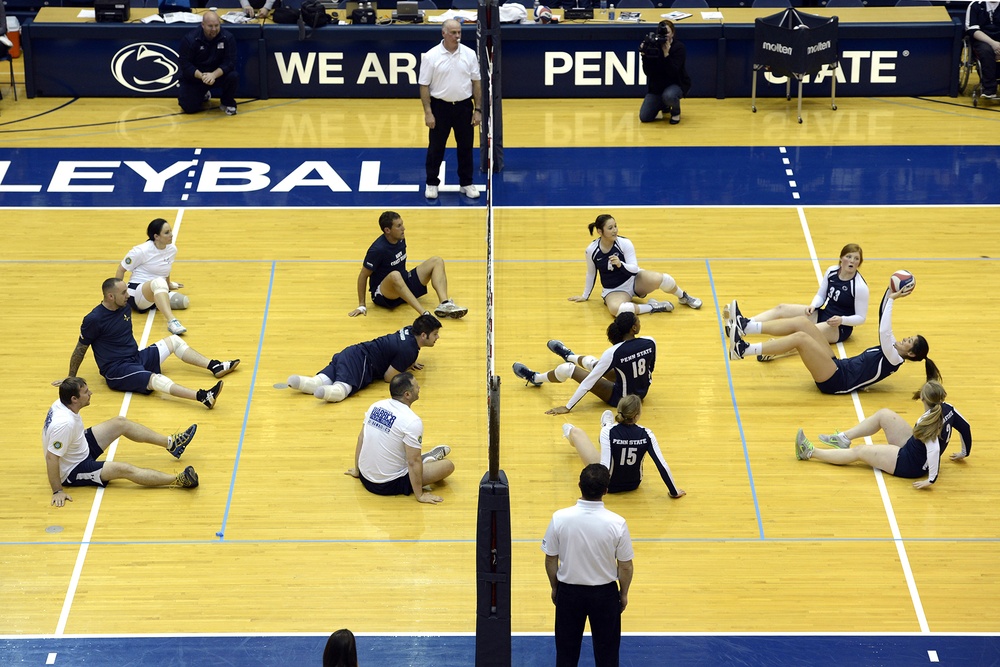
(452, 96)
(587, 548)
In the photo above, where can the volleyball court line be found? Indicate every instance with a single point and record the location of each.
(897, 538)
(221, 534)
(732, 397)
(109, 455)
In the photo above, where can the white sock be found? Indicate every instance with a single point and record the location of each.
(643, 308)
(753, 349)
(753, 327)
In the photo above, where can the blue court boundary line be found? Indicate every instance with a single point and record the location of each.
(221, 534)
(732, 395)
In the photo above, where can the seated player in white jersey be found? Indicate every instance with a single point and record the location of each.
(387, 459)
(391, 285)
(613, 258)
(912, 452)
(624, 446)
(832, 375)
(624, 368)
(840, 304)
(358, 365)
(108, 329)
(71, 451)
(149, 284)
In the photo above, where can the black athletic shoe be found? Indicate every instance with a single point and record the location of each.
(180, 441)
(558, 348)
(223, 368)
(187, 478)
(210, 396)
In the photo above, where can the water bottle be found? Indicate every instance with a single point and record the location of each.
(611, 13)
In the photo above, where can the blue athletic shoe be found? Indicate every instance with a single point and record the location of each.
(526, 374)
(180, 441)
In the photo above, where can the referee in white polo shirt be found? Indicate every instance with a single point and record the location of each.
(451, 94)
(587, 548)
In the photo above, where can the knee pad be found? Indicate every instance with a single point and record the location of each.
(588, 362)
(159, 286)
(668, 284)
(179, 301)
(176, 345)
(564, 371)
(160, 383)
(307, 385)
(627, 307)
(333, 393)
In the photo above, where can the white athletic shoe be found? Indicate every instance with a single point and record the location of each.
(431, 191)
(607, 417)
(175, 327)
(661, 306)
(566, 429)
(470, 191)
(437, 453)
(449, 309)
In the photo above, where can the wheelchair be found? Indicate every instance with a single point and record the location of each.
(967, 63)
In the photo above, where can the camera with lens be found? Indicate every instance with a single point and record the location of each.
(652, 45)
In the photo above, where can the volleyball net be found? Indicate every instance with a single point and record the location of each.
(493, 536)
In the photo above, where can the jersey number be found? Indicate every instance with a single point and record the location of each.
(629, 456)
(639, 367)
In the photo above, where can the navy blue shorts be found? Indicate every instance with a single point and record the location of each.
(351, 368)
(133, 374)
(911, 460)
(844, 332)
(836, 384)
(88, 472)
(412, 281)
(396, 487)
(617, 396)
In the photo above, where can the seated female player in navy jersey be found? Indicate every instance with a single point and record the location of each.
(911, 452)
(149, 284)
(613, 257)
(840, 304)
(832, 375)
(623, 447)
(625, 368)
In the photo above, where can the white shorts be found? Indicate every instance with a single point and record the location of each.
(140, 300)
(628, 287)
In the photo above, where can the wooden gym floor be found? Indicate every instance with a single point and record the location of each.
(278, 540)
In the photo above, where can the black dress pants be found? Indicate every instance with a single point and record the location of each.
(450, 116)
(574, 604)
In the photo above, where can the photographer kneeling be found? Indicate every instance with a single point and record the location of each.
(664, 63)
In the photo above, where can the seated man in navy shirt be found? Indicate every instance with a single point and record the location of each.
(359, 365)
(207, 61)
(108, 329)
(391, 285)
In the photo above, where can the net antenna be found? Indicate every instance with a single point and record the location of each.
(491, 128)
(493, 537)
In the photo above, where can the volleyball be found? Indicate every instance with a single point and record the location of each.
(901, 279)
(543, 14)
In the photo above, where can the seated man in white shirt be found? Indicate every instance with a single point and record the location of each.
(71, 451)
(388, 460)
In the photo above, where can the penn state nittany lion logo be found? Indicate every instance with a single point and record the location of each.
(57, 445)
(146, 67)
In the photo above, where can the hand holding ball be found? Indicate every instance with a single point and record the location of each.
(901, 280)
